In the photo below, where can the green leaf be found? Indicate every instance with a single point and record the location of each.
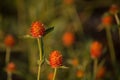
(48, 30)
(26, 36)
(63, 67)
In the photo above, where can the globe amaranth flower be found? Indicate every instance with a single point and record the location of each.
(11, 67)
(9, 41)
(68, 39)
(107, 20)
(96, 49)
(114, 9)
(50, 76)
(55, 59)
(37, 29)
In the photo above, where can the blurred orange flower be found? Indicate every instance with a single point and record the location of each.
(37, 29)
(80, 73)
(68, 38)
(55, 59)
(96, 49)
(68, 1)
(107, 20)
(113, 9)
(11, 67)
(75, 62)
(50, 76)
(101, 72)
(9, 41)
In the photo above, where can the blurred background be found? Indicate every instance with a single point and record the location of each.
(80, 19)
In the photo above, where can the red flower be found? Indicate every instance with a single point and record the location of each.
(107, 20)
(9, 41)
(50, 76)
(96, 49)
(80, 73)
(113, 9)
(10, 67)
(68, 2)
(75, 62)
(68, 38)
(37, 29)
(101, 72)
(55, 59)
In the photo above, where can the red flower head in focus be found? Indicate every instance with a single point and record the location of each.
(37, 29)
(55, 59)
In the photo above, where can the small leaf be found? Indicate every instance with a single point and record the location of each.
(40, 62)
(47, 62)
(48, 30)
(63, 67)
(26, 36)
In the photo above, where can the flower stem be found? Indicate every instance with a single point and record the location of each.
(55, 71)
(118, 23)
(95, 68)
(9, 76)
(110, 45)
(7, 57)
(40, 47)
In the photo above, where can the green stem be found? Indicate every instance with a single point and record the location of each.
(40, 56)
(95, 68)
(55, 71)
(110, 45)
(9, 76)
(118, 23)
(7, 57)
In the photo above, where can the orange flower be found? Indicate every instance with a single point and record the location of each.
(68, 38)
(107, 20)
(68, 1)
(101, 72)
(10, 67)
(80, 73)
(113, 9)
(55, 59)
(50, 76)
(9, 41)
(75, 62)
(37, 29)
(96, 49)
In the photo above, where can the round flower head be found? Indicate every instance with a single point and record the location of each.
(50, 76)
(113, 9)
(101, 72)
(75, 62)
(68, 2)
(68, 38)
(80, 73)
(10, 67)
(96, 49)
(107, 20)
(55, 59)
(9, 41)
(37, 29)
